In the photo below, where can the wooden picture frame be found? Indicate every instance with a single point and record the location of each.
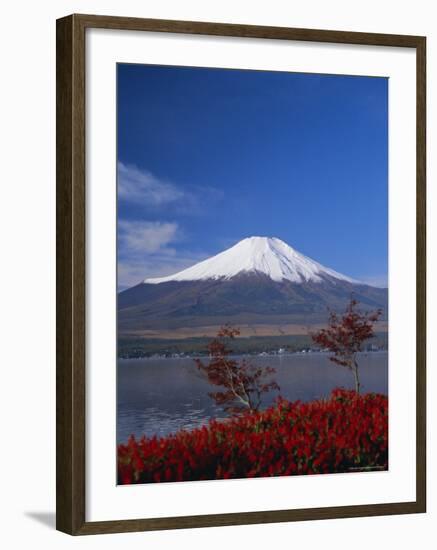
(71, 254)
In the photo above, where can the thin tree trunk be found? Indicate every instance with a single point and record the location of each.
(357, 378)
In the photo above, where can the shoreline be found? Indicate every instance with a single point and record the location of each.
(239, 355)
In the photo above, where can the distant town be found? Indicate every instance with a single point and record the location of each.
(140, 352)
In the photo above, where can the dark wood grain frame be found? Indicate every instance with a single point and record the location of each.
(70, 298)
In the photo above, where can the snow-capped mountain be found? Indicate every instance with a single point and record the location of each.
(259, 281)
(263, 255)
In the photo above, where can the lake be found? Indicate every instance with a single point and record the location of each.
(162, 395)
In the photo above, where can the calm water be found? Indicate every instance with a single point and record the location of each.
(160, 396)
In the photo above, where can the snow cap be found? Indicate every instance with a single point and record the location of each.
(265, 255)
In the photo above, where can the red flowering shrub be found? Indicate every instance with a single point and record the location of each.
(347, 432)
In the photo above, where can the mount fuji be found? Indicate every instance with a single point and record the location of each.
(262, 255)
(258, 281)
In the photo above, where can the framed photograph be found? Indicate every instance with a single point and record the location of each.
(240, 274)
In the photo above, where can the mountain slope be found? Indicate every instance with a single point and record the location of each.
(264, 255)
(258, 281)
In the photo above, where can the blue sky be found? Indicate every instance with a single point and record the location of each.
(207, 157)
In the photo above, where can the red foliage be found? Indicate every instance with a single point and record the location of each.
(347, 432)
(345, 336)
(243, 383)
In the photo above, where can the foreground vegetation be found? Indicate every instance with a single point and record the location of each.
(347, 432)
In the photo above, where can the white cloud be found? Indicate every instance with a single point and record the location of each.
(145, 189)
(140, 185)
(146, 248)
(146, 237)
